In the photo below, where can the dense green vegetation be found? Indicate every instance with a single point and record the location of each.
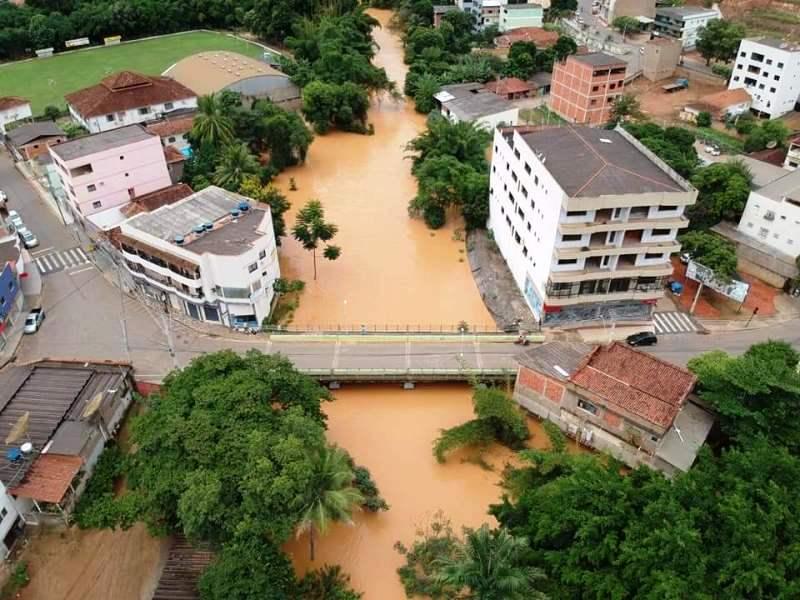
(712, 251)
(719, 40)
(723, 189)
(674, 145)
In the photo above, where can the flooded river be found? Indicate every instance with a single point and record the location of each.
(393, 270)
(391, 431)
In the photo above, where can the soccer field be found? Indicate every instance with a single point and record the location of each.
(45, 81)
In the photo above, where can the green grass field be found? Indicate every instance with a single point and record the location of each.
(45, 81)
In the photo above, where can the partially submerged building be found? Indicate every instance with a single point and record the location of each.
(474, 103)
(615, 399)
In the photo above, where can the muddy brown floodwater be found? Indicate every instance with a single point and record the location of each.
(391, 431)
(393, 270)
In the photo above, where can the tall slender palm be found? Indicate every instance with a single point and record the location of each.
(489, 566)
(236, 163)
(211, 125)
(332, 496)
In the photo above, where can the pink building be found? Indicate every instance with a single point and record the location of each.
(107, 170)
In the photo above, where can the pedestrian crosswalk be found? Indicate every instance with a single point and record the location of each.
(673, 322)
(58, 260)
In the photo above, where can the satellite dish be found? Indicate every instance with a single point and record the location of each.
(19, 429)
(772, 144)
(93, 405)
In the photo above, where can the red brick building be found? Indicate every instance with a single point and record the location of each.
(616, 399)
(585, 86)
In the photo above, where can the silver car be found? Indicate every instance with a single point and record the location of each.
(15, 220)
(34, 320)
(27, 237)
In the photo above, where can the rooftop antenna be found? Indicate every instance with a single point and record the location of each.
(678, 431)
(20, 429)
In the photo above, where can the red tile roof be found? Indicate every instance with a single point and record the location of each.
(173, 155)
(169, 127)
(153, 200)
(541, 37)
(725, 99)
(125, 91)
(509, 85)
(49, 478)
(634, 381)
(7, 102)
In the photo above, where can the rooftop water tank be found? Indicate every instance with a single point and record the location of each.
(235, 213)
(244, 206)
(179, 240)
(198, 229)
(208, 226)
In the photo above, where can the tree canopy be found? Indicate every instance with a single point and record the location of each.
(723, 189)
(719, 40)
(673, 145)
(712, 251)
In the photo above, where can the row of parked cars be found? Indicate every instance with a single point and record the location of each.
(25, 234)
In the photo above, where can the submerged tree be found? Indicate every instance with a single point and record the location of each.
(235, 165)
(310, 229)
(331, 495)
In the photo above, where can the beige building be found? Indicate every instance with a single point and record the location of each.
(611, 9)
(661, 56)
(213, 72)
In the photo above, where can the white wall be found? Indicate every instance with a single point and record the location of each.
(782, 232)
(508, 117)
(13, 114)
(130, 117)
(11, 507)
(692, 27)
(786, 88)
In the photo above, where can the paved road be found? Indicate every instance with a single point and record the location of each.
(87, 316)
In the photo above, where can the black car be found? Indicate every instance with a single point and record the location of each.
(643, 338)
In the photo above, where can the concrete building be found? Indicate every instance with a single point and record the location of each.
(210, 256)
(611, 9)
(616, 399)
(473, 103)
(792, 160)
(660, 57)
(127, 98)
(11, 268)
(524, 14)
(770, 70)
(684, 22)
(32, 140)
(107, 170)
(440, 10)
(174, 131)
(721, 105)
(772, 215)
(55, 419)
(585, 86)
(584, 217)
(214, 72)
(542, 38)
(13, 109)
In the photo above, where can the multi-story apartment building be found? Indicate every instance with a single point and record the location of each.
(126, 98)
(684, 22)
(611, 9)
(770, 70)
(772, 215)
(584, 216)
(211, 256)
(585, 86)
(107, 170)
(506, 14)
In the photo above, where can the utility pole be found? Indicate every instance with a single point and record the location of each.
(123, 320)
(755, 312)
(696, 297)
(168, 334)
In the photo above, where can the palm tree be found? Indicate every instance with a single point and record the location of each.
(488, 566)
(311, 228)
(236, 164)
(211, 125)
(332, 496)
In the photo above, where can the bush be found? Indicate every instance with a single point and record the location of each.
(372, 497)
(722, 70)
(18, 579)
(704, 119)
(434, 216)
(52, 112)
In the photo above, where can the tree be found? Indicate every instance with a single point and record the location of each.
(723, 189)
(235, 165)
(283, 133)
(327, 583)
(768, 134)
(52, 112)
(625, 107)
(331, 495)
(712, 251)
(466, 142)
(328, 105)
(673, 145)
(427, 85)
(719, 40)
(625, 25)
(490, 564)
(211, 126)
(703, 119)
(521, 60)
(756, 395)
(247, 568)
(310, 229)
(271, 196)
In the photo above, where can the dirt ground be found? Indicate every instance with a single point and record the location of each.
(660, 106)
(94, 565)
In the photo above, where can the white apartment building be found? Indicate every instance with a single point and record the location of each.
(770, 70)
(792, 160)
(772, 216)
(211, 256)
(505, 14)
(584, 216)
(684, 22)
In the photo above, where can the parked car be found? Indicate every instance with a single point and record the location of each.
(15, 220)
(34, 320)
(712, 150)
(643, 338)
(27, 237)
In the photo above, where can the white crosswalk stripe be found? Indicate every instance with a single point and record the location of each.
(673, 322)
(58, 260)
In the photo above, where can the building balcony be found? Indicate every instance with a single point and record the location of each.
(598, 248)
(164, 284)
(170, 271)
(605, 223)
(624, 269)
(604, 290)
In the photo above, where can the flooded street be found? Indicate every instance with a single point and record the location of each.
(393, 270)
(391, 431)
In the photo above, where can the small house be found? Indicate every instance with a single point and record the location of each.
(31, 140)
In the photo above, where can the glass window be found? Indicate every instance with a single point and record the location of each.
(587, 406)
(109, 118)
(168, 106)
(143, 111)
(252, 267)
(211, 312)
(97, 204)
(91, 187)
(262, 254)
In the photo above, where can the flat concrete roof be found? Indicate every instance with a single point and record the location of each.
(470, 101)
(679, 447)
(99, 142)
(599, 59)
(763, 172)
(679, 12)
(590, 162)
(233, 237)
(787, 186)
(775, 43)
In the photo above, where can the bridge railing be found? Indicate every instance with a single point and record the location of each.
(389, 328)
(411, 374)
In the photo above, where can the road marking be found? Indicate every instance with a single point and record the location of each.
(42, 251)
(80, 253)
(83, 270)
(58, 260)
(47, 263)
(76, 256)
(673, 322)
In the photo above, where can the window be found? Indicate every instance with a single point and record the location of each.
(653, 255)
(595, 88)
(520, 213)
(571, 237)
(527, 168)
(780, 65)
(252, 267)
(757, 57)
(262, 254)
(97, 204)
(777, 78)
(772, 90)
(517, 238)
(743, 54)
(144, 111)
(769, 61)
(212, 314)
(761, 86)
(593, 101)
(576, 213)
(587, 406)
(661, 231)
(168, 106)
(568, 261)
(619, 285)
(667, 208)
(529, 226)
(524, 191)
(516, 153)
(171, 139)
(524, 251)
(535, 180)
(514, 176)
(91, 188)
(110, 118)
(740, 66)
(3, 513)
(736, 78)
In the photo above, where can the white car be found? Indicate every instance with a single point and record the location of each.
(15, 220)
(34, 321)
(3, 197)
(712, 150)
(27, 237)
